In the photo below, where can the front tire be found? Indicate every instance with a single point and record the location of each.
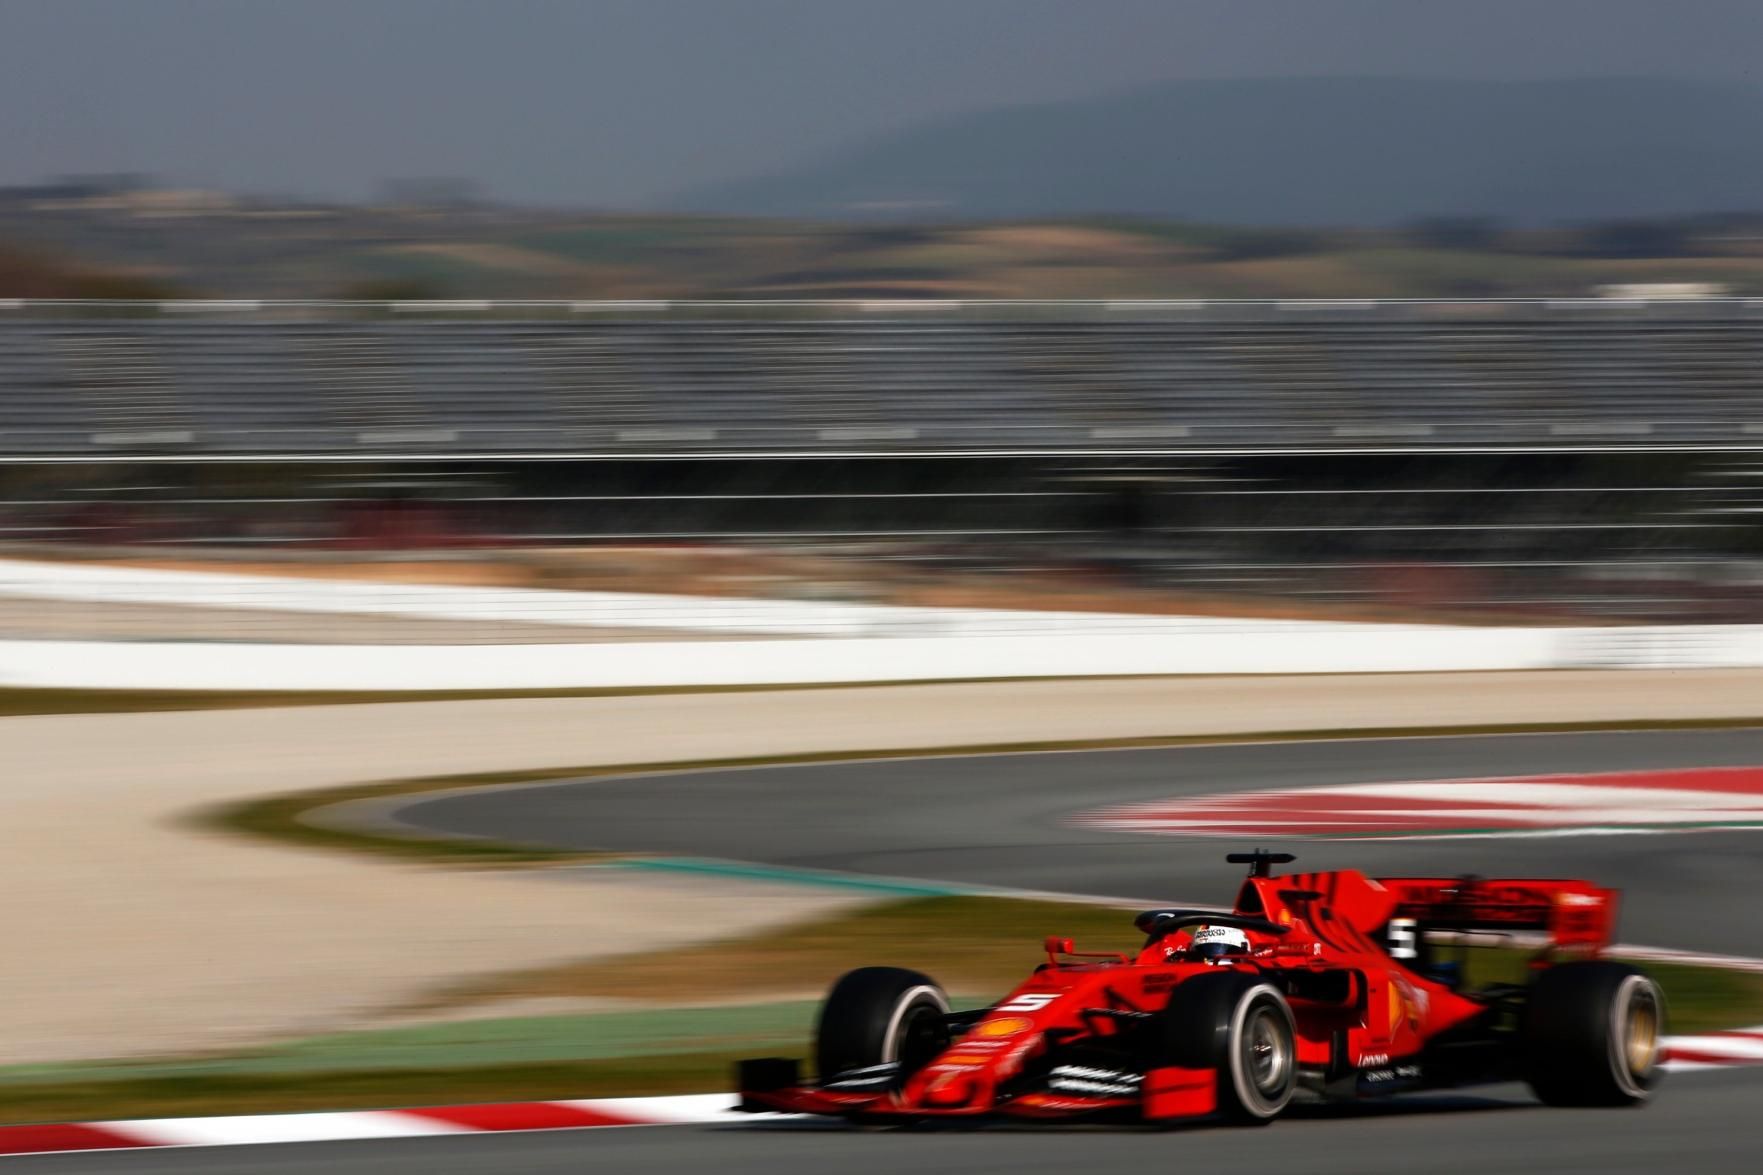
(1242, 1027)
(879, 1026)
(1593, 1035)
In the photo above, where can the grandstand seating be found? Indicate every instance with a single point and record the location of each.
(1491, 376)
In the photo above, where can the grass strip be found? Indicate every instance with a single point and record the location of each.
(975, 945)
(558, 1038)
(1708, 999)
(289, 818)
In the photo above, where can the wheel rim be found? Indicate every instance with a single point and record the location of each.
(1641, 1031)
(1267, 1056)
(922, 1037)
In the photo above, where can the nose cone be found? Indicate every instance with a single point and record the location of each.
(964, 1078)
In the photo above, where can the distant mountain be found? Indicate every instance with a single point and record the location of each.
(1324, 151)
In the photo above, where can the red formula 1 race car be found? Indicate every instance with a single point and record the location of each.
(1333, 985)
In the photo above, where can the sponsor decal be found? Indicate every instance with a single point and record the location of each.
(1492, 904)
(1098, 1082)
(964, 1060)
(1366, 1060)
(1387, 1076)
(1050, 1102)
(1580, 900)
(1415, 1003)
(872, 1077)
(1403, 935)
(1003, 1026)
(1098, 1074)
(1094, 1088)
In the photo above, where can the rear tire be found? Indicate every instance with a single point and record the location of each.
(1241, 1026)
(1592, 1034)
(881, 1016)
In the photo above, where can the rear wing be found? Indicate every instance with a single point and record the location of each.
(1569, 913)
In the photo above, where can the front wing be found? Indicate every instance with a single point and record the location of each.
(773, 1085)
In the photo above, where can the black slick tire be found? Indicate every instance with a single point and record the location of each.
(1593, 1035)
(1241, 1026)
(880, 1016)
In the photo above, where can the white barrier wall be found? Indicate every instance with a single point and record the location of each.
(1342, 649)
(834, 642)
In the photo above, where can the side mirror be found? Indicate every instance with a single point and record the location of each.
(1056, 946)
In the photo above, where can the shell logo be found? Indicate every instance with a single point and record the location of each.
(1003, 1026)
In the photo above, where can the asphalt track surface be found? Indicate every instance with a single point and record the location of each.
(1002, 820)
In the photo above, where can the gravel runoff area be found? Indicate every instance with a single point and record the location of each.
(129, 932)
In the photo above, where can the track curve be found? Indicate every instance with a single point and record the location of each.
(1005, 820)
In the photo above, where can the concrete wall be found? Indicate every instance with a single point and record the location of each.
(1312, 649)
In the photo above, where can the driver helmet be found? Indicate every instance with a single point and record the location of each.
(1216, 942)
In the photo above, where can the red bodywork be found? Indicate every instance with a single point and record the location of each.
(1365, 1018)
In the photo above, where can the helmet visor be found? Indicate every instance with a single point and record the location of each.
(1216, 949)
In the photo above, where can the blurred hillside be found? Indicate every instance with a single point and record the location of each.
(1341, 151)
(126, 237)
(26, 273)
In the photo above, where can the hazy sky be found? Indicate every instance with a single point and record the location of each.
(606, 102)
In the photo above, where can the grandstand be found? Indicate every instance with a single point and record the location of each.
(1587, 455)
(438, 381)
